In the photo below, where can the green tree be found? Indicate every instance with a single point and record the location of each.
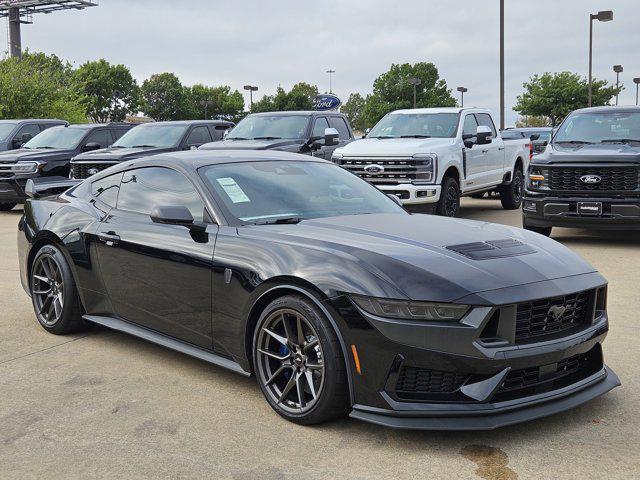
(39, 86)
(221, 102)
(165, 98)
(353, 108)
(533, 121)
(300, 97)
(393, 91)
(109, 91)
(555, 95)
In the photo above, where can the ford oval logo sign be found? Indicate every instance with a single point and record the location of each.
(93, 171)
(327, 102)
(374, 169)
(590, 179)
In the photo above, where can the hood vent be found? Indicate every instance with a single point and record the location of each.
(507, 247)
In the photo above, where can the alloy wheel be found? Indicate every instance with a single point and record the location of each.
(290, 361)
(48, 289)
(451, 201)
(517, 188)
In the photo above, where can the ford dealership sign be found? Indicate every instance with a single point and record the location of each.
(327, 102)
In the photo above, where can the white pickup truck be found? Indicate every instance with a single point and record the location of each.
(430, 157)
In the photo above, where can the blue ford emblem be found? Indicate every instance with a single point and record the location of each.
(327, 102)
(590, 179)
(93, 171)
(374, 169)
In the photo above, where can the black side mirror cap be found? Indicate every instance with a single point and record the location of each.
(89, 147)
(176, 215)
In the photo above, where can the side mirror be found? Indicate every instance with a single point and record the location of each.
(91, 146)
(194, 146)
(534, 137)
(483, 135)
(395, 199)
(175, 215)
(331, 137)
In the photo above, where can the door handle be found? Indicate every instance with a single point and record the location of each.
(110, 238)
(500, 148)
(484, 151)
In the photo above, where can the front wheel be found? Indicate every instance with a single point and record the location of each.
(299, 363)
(511, 195)
(546, 231)
(449, 203)
(5, 207)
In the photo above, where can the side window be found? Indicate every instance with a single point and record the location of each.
(118, 132)
(217, 131)
(30, 128)
(339, 124)
(320, 125)
(102, 137)
(198, 136)
(470, 126)
(44, 126)
(484, 119)
(144, 188)
(106, 189)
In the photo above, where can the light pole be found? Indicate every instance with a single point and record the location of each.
(602, 16)
(251, 89)
(415, 81)
(462, 90)
(330, 72)
(501, 64)
(618, 69)
(206, 104)
(637, 82)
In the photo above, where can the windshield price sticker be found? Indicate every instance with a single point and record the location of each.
(233, 190)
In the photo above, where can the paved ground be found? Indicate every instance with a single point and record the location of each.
(104, 405)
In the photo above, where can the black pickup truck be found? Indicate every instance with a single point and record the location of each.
(150, 139)
(48, 155)
(589, 176)
(307, 132)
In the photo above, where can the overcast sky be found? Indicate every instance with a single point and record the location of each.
(274, 42)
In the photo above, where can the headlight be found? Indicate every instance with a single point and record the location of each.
(337, 156)
(25, 167)
(437, 312)
(537, 178)
(425, 168)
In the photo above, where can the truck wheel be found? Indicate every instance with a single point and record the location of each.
(511, 195)
(5, 207)
(546, 231)
(449, 202)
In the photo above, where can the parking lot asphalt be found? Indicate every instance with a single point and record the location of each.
(107, 405)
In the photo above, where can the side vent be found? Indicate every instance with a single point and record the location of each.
(507, 247)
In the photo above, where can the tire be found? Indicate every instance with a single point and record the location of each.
(6, 207)
(511, 195)
(286, 364)
(449, 203)
(54, 294)
(426, 208)
(546, 231)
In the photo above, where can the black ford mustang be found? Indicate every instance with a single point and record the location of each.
(295, 270)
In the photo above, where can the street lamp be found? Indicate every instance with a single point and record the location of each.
(618, 69)
(462, 90)
(415, 82)
(251, 89)
(206, 104)
(637, 82)
(602, 16)
(330, 72)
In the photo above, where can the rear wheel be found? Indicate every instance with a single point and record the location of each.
(299, 362)
(5, 207)
(54, 294)
(546, 231)
(511, 195)
(449, 203)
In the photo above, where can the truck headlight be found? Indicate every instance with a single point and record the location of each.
(425, 168)
(536, 179)
(336, 156)
(404, 309)
(22, 168)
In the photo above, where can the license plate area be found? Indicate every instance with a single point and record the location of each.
(590, 208)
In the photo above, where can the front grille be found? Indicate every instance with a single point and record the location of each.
(535, 380)
(81, 170)
(621, 179)
(543, 319)
(6, 170)
(396, 170)
(414, 382)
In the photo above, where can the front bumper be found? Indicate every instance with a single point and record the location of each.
(542, 210)
(411, 194)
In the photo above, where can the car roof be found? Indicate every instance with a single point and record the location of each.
(34, 120)
(530, 129)
(297, 112)
(609, 109)
(186, 122)
(408, 111)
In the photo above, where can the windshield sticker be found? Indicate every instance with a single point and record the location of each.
(233, 190)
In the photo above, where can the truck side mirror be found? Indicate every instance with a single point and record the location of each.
(483, 135)
(91, 146)
(534, 137)
(331, 137)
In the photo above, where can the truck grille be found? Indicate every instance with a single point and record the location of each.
(612, 178)
(80, 171)
(543, 319)
(6, 170)
(396, 169)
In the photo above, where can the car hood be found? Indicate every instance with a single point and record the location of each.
(249, 144)
(121, 154)
(597, 153)
(413, 252)
(23, 154)
(394, 146)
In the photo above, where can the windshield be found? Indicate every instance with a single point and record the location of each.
(263, 192)
(270, 127)
(57, 137)
(600, 127)
(400, 125)
(6, 129)
(151, 136)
